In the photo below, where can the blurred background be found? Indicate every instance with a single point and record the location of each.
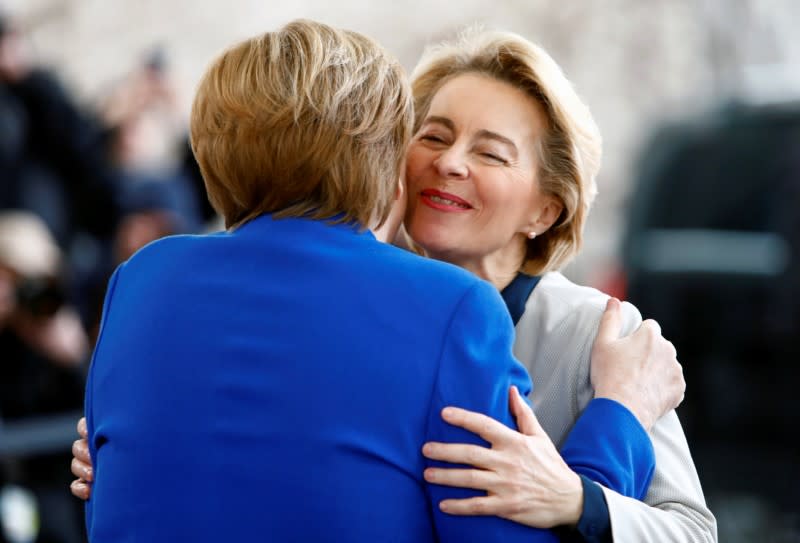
(697, 221)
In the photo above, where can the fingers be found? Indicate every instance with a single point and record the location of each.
(526, 420)
(480, 505)
(458, 453)
(81, 470)
(610, 322)
(486, 427)
(462, 478)
(80, 489)
(82, 430)
(670, 349)
(652, 327)
(80, 450)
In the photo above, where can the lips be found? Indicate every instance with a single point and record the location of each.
(443, 201)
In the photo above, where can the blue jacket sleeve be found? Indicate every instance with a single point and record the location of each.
(476, 369)
(87, 406)
(609, 446)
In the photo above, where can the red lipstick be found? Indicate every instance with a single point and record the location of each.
(443, 201)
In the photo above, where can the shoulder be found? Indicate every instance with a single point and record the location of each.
(440, 281)
(164, 262)
(170, 248)
(180, 242)
(560, 302)
(406, 261)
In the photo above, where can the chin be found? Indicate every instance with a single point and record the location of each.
(434, 241)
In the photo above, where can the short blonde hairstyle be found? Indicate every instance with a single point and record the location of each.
(569, 153)
(307, 121)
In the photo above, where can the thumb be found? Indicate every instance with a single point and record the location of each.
(610, 323)
(526, 420)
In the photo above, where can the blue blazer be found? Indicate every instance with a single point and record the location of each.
(276, 383)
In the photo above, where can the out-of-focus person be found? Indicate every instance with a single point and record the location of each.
(39, 330)
(43, 350)
(54, 163)
(146, 139)
(53, 152)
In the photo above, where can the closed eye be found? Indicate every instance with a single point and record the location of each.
(494, 158)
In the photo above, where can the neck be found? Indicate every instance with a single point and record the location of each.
(389, 231)
(499, 267)
(498, 276)
(384, 233)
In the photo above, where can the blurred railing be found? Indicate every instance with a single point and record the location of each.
(38, 435)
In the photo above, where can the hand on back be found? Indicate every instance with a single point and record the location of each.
(640, 371)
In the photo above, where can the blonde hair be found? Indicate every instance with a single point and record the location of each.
(306, 121)
(569, 153)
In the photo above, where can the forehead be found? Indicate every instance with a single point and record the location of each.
(480, 102)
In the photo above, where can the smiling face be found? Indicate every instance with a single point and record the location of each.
(471, 175)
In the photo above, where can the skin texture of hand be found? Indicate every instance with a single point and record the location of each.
(640, 371)
(525, 478)
(81, 464)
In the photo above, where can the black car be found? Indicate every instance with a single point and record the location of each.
(712, 251)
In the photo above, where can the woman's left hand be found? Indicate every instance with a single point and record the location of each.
(82, 464)
(524, 476)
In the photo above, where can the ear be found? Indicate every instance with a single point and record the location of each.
(388, 231)
(401, 188)
(545, 215)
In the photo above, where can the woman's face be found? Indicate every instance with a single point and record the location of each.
(471, 175)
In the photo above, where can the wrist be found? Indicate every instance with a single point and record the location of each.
(573, 507)
(637, 408)
(595, 522)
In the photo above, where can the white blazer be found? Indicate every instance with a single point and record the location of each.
(554, 341)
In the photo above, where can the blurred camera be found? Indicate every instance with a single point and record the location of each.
(41, 297)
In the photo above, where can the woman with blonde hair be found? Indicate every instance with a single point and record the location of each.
(233, 387)
(500, 178)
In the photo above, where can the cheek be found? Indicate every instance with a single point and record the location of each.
(506, 196)
(417, 160)
(510, 201)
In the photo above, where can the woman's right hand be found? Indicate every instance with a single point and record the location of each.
(82, 464)
(641, 371)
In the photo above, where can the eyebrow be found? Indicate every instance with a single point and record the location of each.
(485, 134)
(440, 120)
(488, 134)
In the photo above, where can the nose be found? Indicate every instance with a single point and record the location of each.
(452, 163)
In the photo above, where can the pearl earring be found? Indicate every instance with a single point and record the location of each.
(531, 234)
